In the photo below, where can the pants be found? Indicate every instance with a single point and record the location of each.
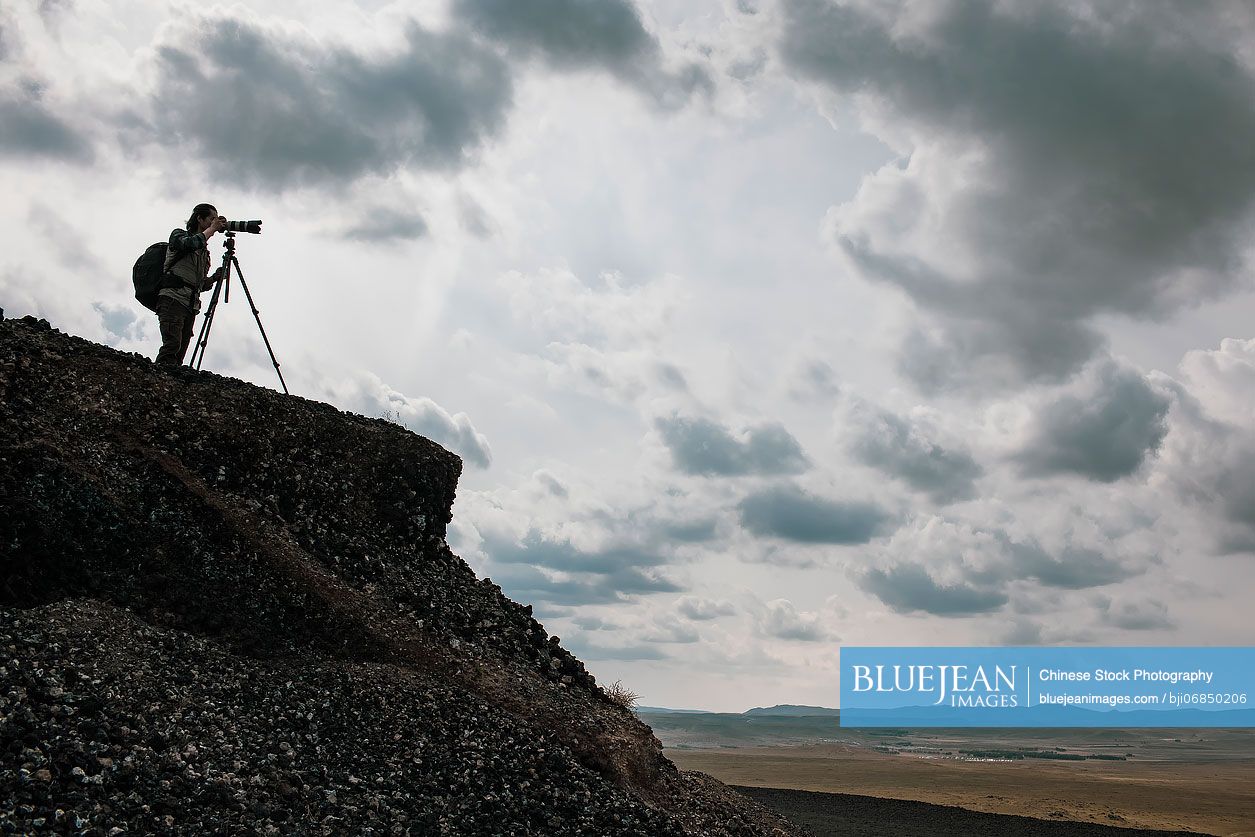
(176, 330)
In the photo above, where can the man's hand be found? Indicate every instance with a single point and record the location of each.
(218, 225)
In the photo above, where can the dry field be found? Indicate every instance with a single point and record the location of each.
(1214, 797)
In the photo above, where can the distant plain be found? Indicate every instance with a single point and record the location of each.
(1174, 779)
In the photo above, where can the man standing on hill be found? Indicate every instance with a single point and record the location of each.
(187, 265)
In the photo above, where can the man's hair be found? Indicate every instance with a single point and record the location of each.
(201, 210)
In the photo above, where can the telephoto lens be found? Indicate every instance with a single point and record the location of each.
(253, 227)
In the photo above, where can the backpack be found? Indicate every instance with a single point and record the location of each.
(150, 276)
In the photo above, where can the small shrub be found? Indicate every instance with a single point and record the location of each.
(622, 695)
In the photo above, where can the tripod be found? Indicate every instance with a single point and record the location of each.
(228, 261)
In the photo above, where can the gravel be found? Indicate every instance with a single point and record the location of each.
(226, 610)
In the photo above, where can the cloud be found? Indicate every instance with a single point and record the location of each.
(7, 38)
(121, 322)
(541, 567)
(603, 338)
(557, 553)
(908, 588)
(595, 623)
(1022, 632)
(1223, 379)
(955, 568)
(813, 380)
(606, 313)
(370, 396)
(1208, 455)
(1060, 161)
(29, 128)
(905, 450)
(48, 223)
(303, 112)
(52, 10)
(670, 629)
(587, 650)
(381, 226)
(607, 35)
(552, 485)
(782, 620)
(703, 447)
(703, 610)
(1104, 432)
(1077, 568)
(789, 512)
(697, 530)
(1145, 615)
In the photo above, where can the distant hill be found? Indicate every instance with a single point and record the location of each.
(794, 711)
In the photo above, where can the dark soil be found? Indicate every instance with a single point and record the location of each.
(847, 815)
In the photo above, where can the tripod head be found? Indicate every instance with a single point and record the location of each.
(229, 243)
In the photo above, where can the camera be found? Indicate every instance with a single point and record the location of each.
(253, 227)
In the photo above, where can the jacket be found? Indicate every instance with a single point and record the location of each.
(187, 262)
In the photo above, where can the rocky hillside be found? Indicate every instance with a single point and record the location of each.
(225, 610)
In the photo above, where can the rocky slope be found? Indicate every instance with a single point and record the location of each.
(225, 610)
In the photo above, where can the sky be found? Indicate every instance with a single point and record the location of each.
(762, 327)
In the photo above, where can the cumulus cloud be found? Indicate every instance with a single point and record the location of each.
(604, 337)
(1059, 161)
(381, 225)
(695, 530)
(1135, 615)
(1208, 455)
(1104, 432)
(1076, 568)
(813, 380)
(585, 649)
(551, 568)
(1224, 379)
(53, 227)
(704, 447)
(952, 568)
(782, 620)
(788, 512)
(908, 588)
(907, 450)
(305, 112)
(606, 35)
(369, 395)
(30, 127)
(122, 323)
(703, 610)
(604, 312)
(601, 543)
(670, 629)
(595, 623)
(551, 484)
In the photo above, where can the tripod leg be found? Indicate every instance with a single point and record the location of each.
(260, 327)
(198, 353)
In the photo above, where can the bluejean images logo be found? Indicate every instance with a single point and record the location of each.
(1047, 687)
(957, 685)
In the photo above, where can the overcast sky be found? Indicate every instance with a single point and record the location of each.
(762, 326)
